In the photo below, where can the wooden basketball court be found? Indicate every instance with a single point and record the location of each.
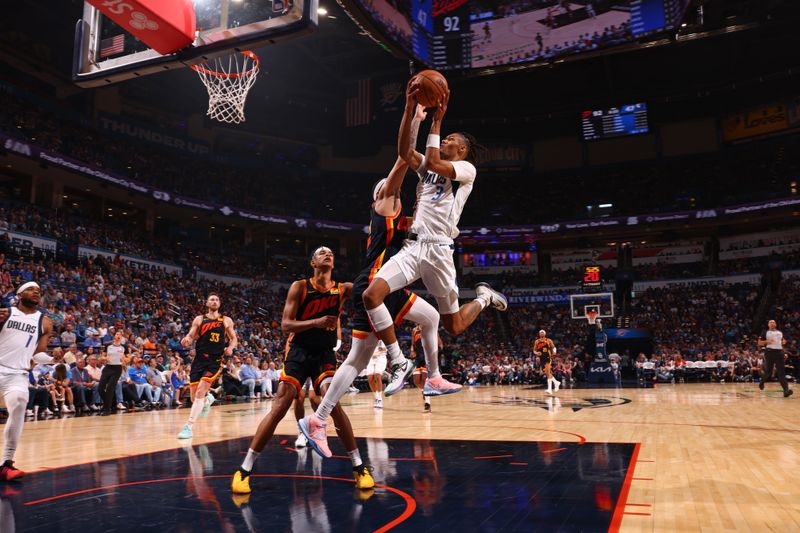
(676, 457)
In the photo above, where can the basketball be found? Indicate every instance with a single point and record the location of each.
(433, 88)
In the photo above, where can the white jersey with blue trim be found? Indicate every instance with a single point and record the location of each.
(19, 335)
(440, 201)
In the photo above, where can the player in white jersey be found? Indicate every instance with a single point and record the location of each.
(24, 331)
(446, 175)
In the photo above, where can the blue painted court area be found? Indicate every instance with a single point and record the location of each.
(422, 485)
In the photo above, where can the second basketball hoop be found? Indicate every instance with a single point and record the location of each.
(228, 79)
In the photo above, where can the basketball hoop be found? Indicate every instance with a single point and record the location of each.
(591, 316)
(228, 80)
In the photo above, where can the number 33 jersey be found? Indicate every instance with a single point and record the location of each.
(211, 337)
(440, 200)
(19, 335)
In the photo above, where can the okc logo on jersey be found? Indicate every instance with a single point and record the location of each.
(320, 305)
(209, 326)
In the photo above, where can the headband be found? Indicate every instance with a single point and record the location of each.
(26, 286)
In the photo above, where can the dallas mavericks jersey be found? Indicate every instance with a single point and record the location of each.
(19, 336)
(440, 200)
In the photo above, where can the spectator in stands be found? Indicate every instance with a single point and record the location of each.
(156, 380)
(137, 376)
(60, 393)
(82, 386)
(249, 376)
(68, 336)
(231, 382)
(95, 373)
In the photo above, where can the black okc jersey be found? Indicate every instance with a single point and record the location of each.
(317, 304)
(386, 236)
(211, 338)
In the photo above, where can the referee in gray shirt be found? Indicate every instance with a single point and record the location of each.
(773, 357)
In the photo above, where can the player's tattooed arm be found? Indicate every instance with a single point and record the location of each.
(406, 145)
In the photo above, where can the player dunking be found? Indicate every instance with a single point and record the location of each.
(421, 371)
(216, 339)
(546, 349)
(310, 315)
(446, 173)
(388, 229)
(24, 331)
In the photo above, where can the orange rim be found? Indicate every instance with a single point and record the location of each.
(248, 53)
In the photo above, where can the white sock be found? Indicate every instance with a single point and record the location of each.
(361, 351)
(355, 457)
(16, 402)
(393, 354)
(483, 301)
(377, 395)
(426, 315)
(250, 459)
(197, 407)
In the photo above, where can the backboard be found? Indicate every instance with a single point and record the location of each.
(601, 302)
(105, 53)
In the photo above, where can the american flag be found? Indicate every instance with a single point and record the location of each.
(112, 45)
(358, 108)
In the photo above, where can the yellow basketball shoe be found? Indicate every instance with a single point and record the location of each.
(363, 477)
(240, 484)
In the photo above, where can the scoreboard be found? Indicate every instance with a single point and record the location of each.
(441, 36)
(628, 119)
(592, 280)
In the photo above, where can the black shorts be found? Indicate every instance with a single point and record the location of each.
(301, 364)
(419, 362)
(398, 303)
(206, 368)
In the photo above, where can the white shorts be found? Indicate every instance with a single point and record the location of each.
(13, 382)
(433, 263)
(377, 364)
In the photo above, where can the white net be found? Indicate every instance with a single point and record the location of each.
(228, 80)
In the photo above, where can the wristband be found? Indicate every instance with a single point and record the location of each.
(434, 141)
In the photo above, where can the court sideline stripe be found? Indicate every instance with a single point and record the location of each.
(619, 509)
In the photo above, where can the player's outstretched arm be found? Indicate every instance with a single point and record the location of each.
(406, 138)
(290, 324)
(385, 202)
(230, 332)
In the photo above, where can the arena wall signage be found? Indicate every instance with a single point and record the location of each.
(29, 242)
(130, 260)
(132, 129)
(227, 280)
(32, 151)
(754, 122)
